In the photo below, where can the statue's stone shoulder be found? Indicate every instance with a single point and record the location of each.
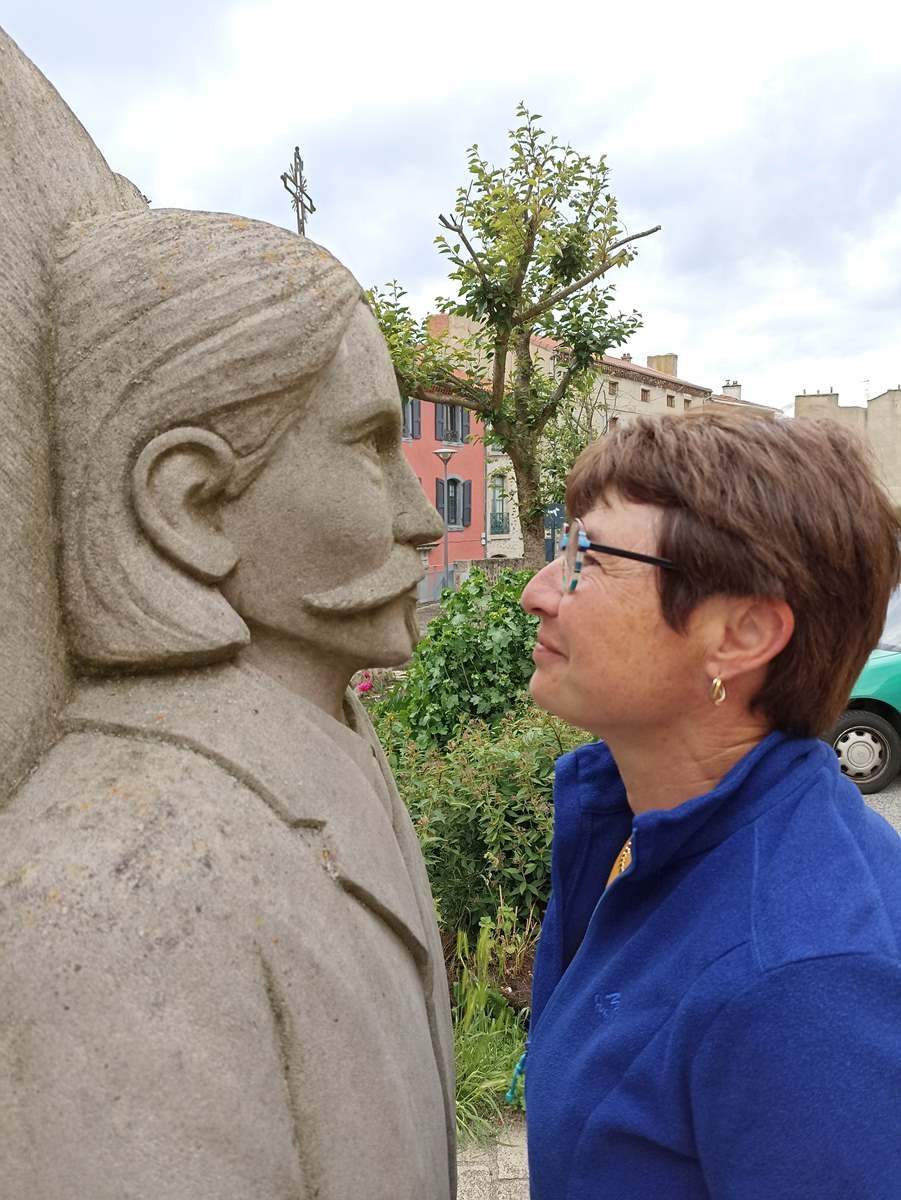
(130, 935)
(118, 820)
(180, 959)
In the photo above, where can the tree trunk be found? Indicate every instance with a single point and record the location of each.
(533, 542)
(531, 516)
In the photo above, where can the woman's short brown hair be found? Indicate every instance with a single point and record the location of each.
(781, 508)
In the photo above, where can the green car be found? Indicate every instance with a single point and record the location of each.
(867, 736)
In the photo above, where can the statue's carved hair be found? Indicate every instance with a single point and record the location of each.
(167, 318)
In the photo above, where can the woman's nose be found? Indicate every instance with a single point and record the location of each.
(541, 595)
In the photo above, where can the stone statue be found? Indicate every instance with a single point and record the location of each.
(220, 974)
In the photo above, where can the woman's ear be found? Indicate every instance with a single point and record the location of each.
(753, 631)
(175, 484)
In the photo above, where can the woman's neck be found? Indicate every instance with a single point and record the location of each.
(663, 769)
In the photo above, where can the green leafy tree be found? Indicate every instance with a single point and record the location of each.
(584, 414)
(529, 245)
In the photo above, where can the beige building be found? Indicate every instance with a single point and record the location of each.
(878, 423)
(628, 390)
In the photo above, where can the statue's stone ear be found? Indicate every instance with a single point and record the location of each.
(176, 483)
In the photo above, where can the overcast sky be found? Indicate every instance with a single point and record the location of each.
(765, 142)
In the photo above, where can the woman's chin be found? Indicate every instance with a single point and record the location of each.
(541, 692)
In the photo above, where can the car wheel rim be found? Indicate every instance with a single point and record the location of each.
(862, 753)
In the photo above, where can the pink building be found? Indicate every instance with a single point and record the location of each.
(429, 427)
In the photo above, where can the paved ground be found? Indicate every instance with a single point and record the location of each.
(888, 802)
(499, 1171)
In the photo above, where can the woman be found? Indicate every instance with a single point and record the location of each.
(717, 996)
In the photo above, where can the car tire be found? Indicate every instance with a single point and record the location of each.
(868, 748)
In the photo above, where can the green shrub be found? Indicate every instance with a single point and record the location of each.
(488, 1036)
(475, 661)
(482, 810)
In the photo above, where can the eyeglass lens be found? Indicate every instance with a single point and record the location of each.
(570, 554)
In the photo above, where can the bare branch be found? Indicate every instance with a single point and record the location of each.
(499, 370)
(553, 403)
(466, 398)
(550, 301)
(528, 250)
(565, 380)
(457, 228)
(522, 373)
(501, 427)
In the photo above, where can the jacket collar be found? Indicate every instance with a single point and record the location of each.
(315, 775)
(768, 774)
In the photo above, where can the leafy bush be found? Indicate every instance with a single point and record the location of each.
(474, 762)
(488, 1036)
(482, 810)
(475, 661)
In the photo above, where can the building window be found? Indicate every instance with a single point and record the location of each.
(686, 403)
(499, 520)
(451, 423)
(459, 501)
(412, 419)
(612, 389)
(646, 395)
(670, 401)
(453, 502)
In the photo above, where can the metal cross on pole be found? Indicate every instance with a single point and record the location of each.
(296, 187)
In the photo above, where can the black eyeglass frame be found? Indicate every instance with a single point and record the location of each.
(583, 544)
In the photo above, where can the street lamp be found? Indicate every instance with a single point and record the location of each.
(554, 512)
(445, 455)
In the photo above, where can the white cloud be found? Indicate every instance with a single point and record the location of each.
(762, 138)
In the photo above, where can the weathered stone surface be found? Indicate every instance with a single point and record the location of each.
(51, 173)
(220, 974)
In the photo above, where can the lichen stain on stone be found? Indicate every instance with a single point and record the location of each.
(21, 876)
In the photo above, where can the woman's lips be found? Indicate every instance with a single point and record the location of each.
(544, 652)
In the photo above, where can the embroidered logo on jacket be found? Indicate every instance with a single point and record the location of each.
(607, 1005)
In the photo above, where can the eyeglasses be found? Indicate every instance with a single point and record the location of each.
(573, 544)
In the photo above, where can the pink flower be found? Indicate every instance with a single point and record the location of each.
(365, 684)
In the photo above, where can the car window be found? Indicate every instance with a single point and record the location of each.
(891, 634)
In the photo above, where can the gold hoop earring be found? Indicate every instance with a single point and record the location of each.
(717, 690)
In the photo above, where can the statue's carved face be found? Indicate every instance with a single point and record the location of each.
(325, 538)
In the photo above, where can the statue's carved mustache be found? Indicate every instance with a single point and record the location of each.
(401, 571)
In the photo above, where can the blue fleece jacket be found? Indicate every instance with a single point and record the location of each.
(724, 1022)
